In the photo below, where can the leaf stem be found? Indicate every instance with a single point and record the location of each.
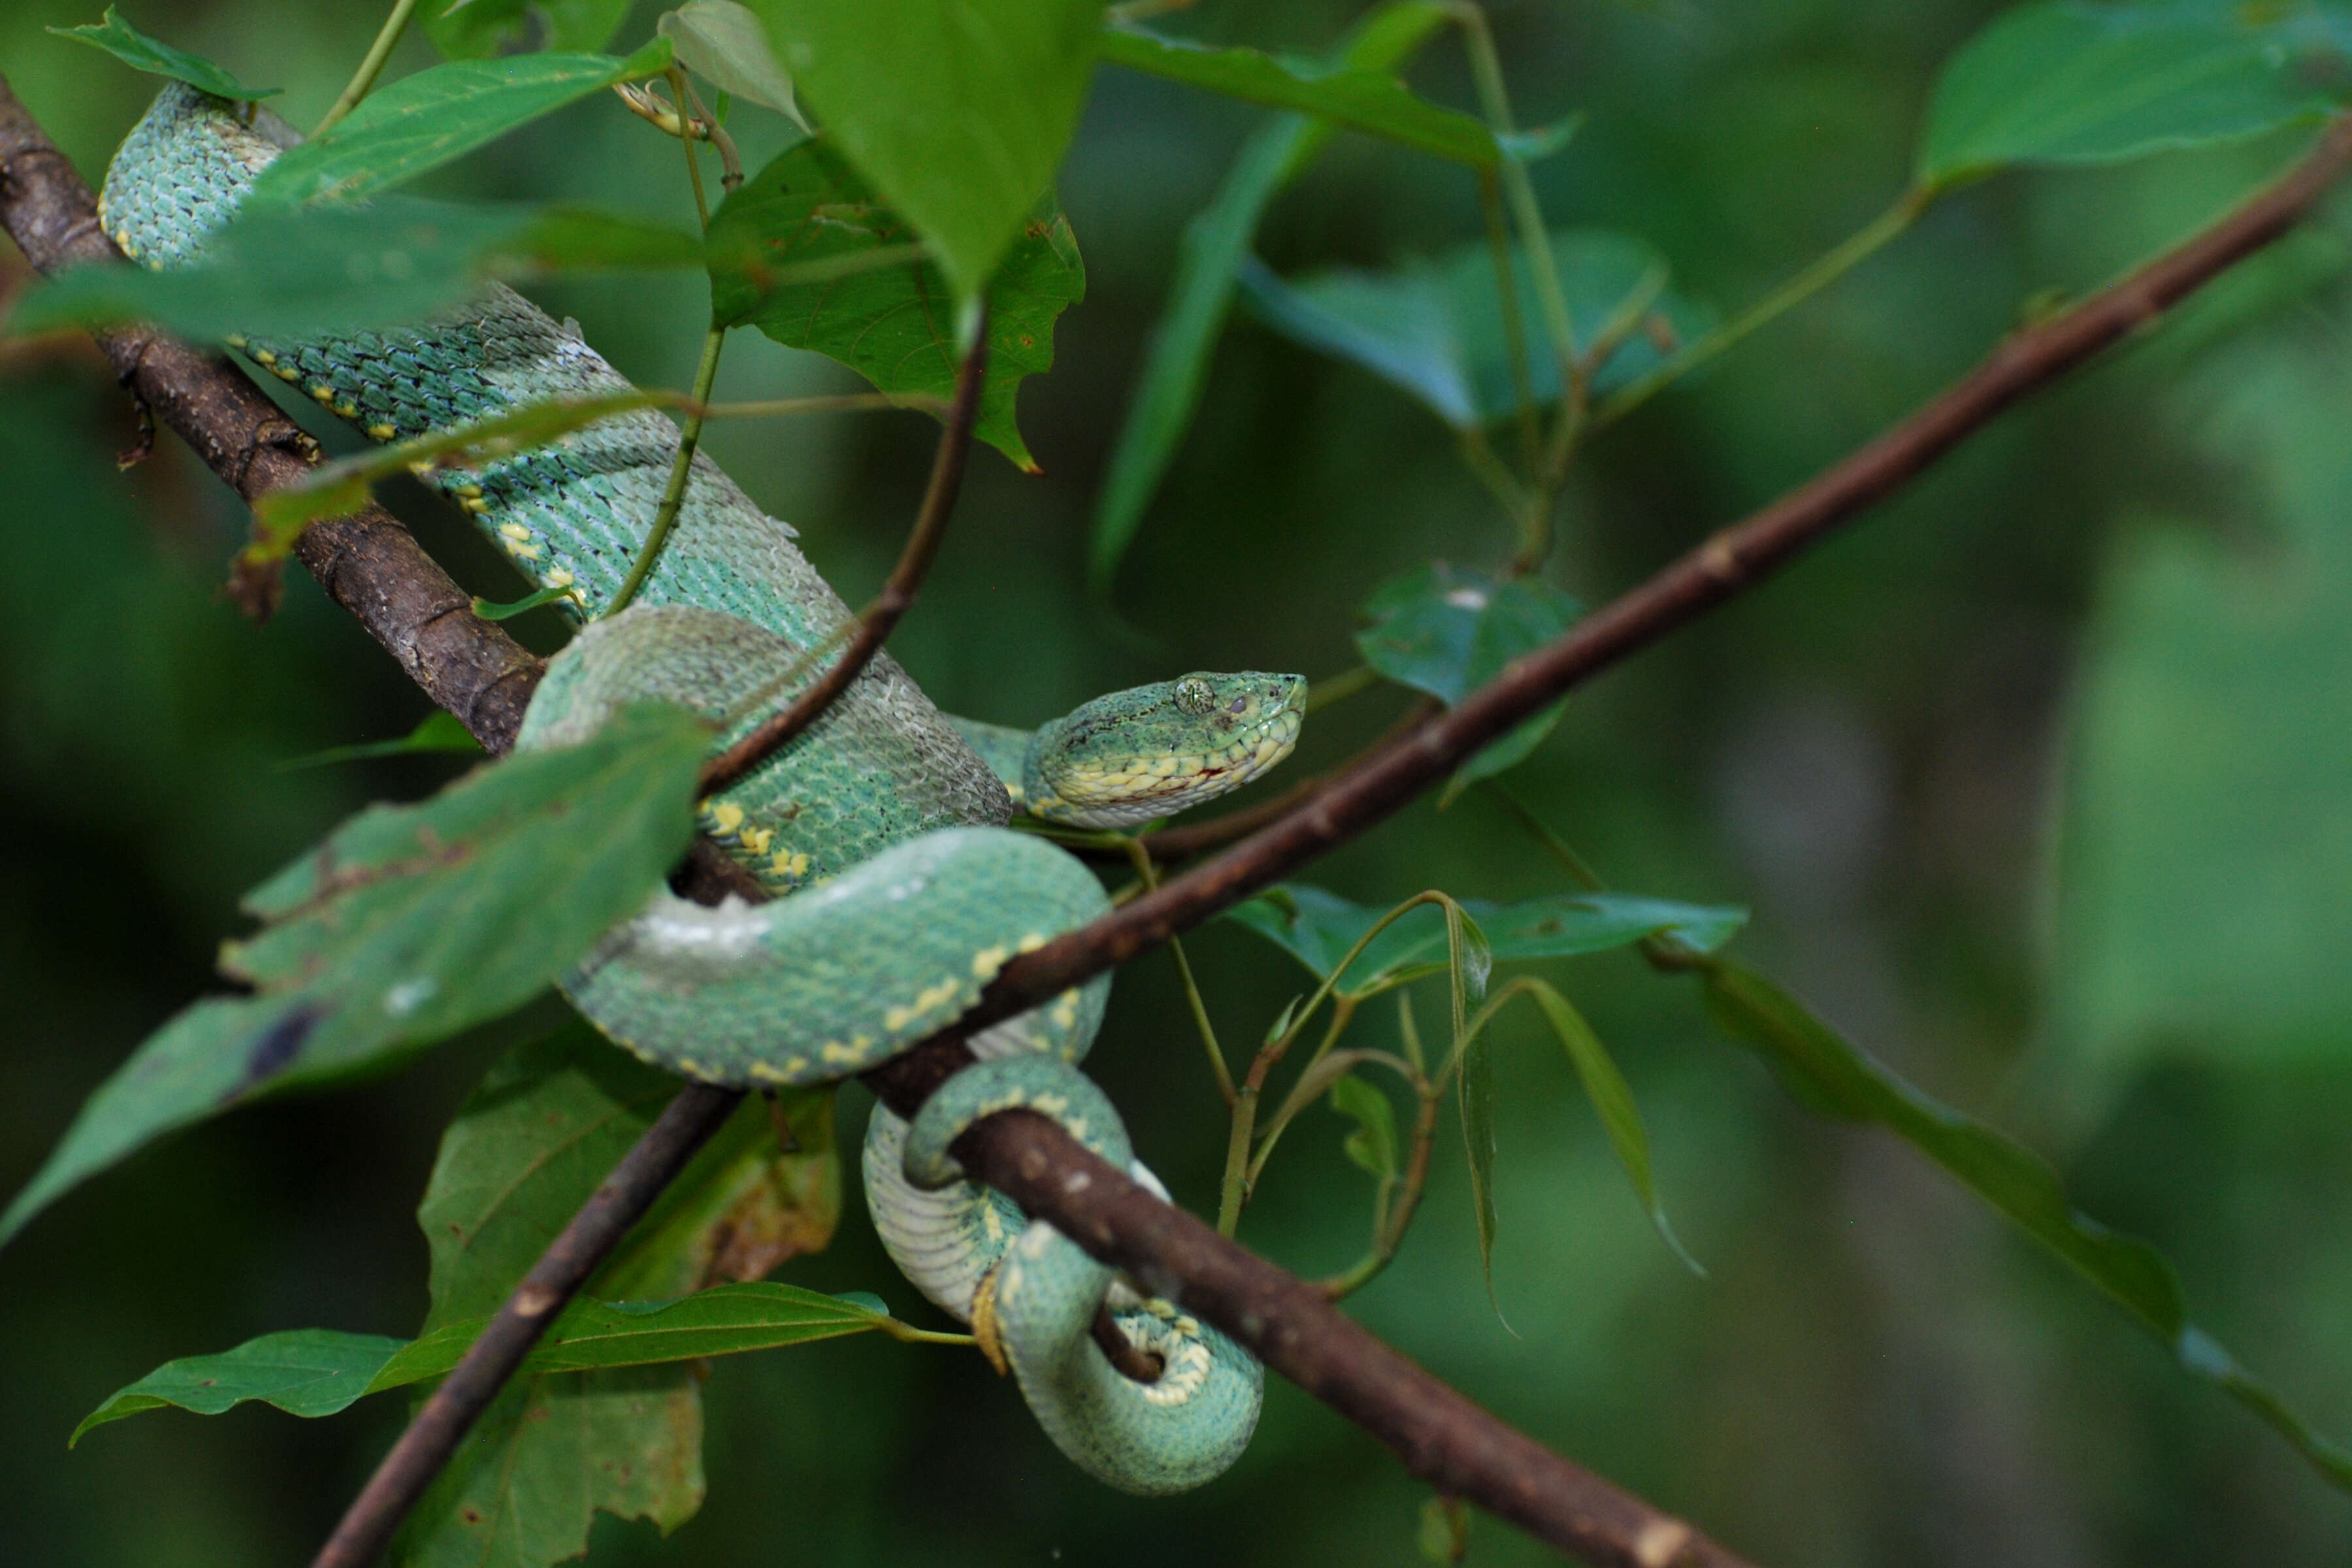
(681, 469)
(693, 165)
(1825, 269)
(1340, 687)
(363, 79)
(1148, 875)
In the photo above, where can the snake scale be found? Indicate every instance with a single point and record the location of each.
(881, 828)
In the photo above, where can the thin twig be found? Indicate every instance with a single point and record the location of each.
(898, 594)
(681, 472)
(684, 1126)
(363, 79)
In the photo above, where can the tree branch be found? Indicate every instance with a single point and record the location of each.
(366, 562)
(1440, 1436)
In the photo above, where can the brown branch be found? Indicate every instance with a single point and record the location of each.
(686, 1124)
(366, 562)
(875, 621)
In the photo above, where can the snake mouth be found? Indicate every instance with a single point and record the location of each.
(1128, 791)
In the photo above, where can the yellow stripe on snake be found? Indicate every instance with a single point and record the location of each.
(882, 825)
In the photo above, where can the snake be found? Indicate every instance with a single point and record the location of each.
(898, 888)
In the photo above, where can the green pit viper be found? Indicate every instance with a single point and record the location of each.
(881, 828)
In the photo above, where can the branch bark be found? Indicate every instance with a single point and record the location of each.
(1441, 1437)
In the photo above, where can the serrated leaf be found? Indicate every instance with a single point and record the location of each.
(1317, 928)
(956, 111)
(139, 52)
(437, 731)
(1841, 1079)
(2067, 83)
(1435, 329)
(477, 29)
(1361, 99)
(272, 272)
(437, 115)
(727, 45)
(1613, 1100)
(1176, 360)
(409, 924)
(894, 324)
(1373, 1144)
(1448, 630)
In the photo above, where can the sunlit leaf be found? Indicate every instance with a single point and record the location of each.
(895, 324)
(2069, 83)
(1843, 1080)
(409, 924)
(727, 45)
(1360, 98)
(956, 111)
(1317, 928)
(1176, 360)
(424, 120)
(272, 272)
(139, 52)
(1448, 630)
(1436, 328)
(477, 29)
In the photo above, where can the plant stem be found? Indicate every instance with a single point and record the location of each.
(1340, 687)
(1827, 269)
(363, 79)
(693, 165)
(674, 497)
(1148, 875)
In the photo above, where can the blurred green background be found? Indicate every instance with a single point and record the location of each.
(2036, 781)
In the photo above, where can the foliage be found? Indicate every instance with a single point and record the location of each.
(2201, 823)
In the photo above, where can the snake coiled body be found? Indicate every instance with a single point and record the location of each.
(882, 822)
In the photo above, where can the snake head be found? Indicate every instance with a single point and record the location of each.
(1152, 750)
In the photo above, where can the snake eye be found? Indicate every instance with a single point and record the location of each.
(1193, 696)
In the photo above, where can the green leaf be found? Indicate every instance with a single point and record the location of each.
(546, 1124)
(437, 731)
(1176, 360)
(549, 1455)
(2067, 83)
(407, 925)
(334, 489)
(1370, 100)
(894, 324)
(304, 1371)
(1443, 1533)
(956, 111)
(271, 273)
(1475, 1094)
(477, 29)
(1373, 1144)
(1435, 329)
(1613, 1101)
(139, 52)
(1448, 631)
(1843, 1080)
(424, 120)
(726, 45)
(1317, 928)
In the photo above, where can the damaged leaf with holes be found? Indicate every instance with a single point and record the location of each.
(407, 925)
(889, 314)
